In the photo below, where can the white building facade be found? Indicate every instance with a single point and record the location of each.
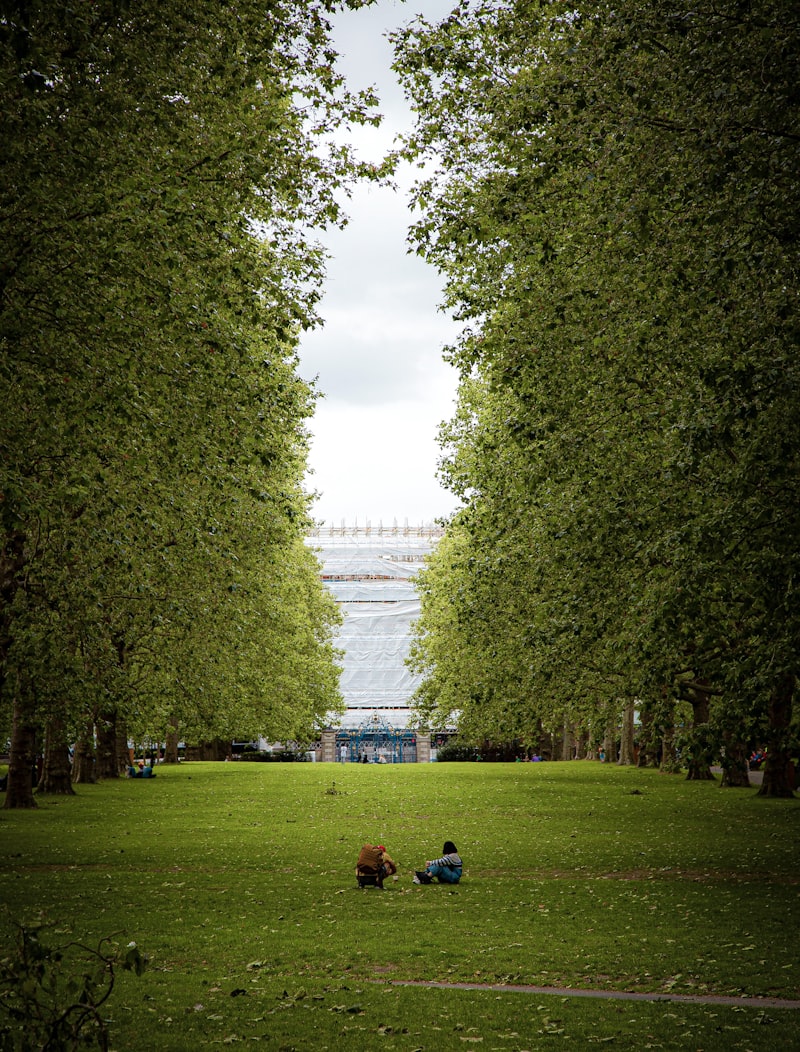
(370, 572)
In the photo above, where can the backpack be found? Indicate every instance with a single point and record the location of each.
(370, 859)
(368, 867)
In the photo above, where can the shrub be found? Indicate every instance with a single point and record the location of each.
(455, 751)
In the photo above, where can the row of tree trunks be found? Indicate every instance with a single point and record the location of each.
(57, 773)
(567, 744)
(213, 750)
(122, 753)
(669, 752)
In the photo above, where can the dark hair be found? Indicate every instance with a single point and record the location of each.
(449, 848)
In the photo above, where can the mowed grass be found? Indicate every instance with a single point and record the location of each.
(237, 881)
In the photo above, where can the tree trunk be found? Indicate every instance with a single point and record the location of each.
(558, 747)
(12, 571)
(121, 748)
(545, 749)
(83, 762)
(779, 769)
(107, 745)
(626, 752)
(699, 764)
(581, 745)
(22, 755)
(216, 749)
(647, 752)
(567, 742)
(56, 773)
(21, 761)
(669, 755)
(610, 742)
(735, 770)
(171, 751)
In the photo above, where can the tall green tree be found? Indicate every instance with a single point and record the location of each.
(614, 204)
(160, 173)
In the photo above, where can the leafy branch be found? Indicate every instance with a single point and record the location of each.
(51, 996)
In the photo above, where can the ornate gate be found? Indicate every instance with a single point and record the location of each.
(376, 741)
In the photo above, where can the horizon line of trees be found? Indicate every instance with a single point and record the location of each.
(613, 198)
(163, 169)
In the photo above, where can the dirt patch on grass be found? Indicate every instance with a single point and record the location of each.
(609, 995)
(708, 876)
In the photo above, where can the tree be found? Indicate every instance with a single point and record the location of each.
(614, 205)
(160, 173)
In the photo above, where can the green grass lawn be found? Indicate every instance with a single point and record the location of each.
(237, 881)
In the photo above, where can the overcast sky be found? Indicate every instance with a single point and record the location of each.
(378, 357)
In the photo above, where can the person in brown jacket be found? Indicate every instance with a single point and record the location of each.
(373, 866)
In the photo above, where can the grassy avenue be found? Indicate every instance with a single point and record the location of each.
(236, 880)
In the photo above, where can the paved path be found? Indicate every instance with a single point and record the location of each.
(756, 777)
(605, 995)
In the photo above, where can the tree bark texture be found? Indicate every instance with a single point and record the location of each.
(648, 751)
(581, 745)
(669, 753)
(699, 766)
(779, 772)
(735, 771)
(83, 762)
(171, 750)
(627, 757)
(56, 771)
(610, 742)
(106, 729)
(567, 742)
(21, 761)
(122, 756)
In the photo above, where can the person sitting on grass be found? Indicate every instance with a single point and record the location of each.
(373, 866)
(446, 869)
(388, 867)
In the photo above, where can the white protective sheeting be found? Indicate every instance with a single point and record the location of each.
(370, 573)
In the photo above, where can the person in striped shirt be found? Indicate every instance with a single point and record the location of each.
(447, 869)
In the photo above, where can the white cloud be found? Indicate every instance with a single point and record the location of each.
(378, 358)
(383, 458)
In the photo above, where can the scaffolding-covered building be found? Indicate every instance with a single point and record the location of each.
(370, 571)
